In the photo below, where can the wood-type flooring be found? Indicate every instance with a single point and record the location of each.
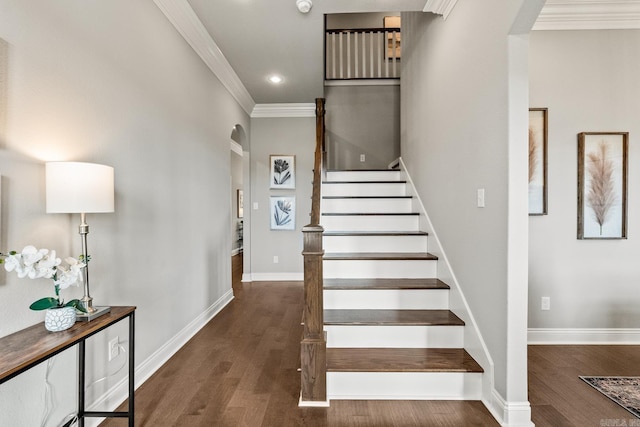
(241, 370)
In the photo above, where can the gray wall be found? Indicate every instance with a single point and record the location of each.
(459, 81)
(589, 81)
(362, 120)
(114, 83)
(289, 136)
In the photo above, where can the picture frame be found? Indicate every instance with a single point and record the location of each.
(283, 212)
(393, 39)
(602, 185)
(538, 136)
(282, 171)
(240, 203)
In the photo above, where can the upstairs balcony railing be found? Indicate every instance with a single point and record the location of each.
(366, 53)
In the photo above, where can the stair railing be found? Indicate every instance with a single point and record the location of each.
(313, 347)
(365, 53)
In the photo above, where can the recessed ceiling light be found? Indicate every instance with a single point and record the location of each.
(275, 79)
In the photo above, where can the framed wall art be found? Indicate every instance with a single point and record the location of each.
(538, 161)
(240, 202)
(602, 185)
(283, 212)
(282, 171)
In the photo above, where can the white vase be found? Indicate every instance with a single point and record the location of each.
(59, 319)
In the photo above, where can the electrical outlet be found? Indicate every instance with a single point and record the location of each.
(114, 348)
(255, 206)
(545, 303)
(275, 259)
(362, 158)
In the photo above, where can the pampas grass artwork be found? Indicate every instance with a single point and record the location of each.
(537, 161)
(602, 185)
(533, 155)
(602, 195)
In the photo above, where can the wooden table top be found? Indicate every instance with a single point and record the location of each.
(28, 347)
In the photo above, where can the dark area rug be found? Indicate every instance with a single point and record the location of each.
(625, 391)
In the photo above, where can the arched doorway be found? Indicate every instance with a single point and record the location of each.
(240, 201)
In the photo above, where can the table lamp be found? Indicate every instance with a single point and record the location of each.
(75, 187)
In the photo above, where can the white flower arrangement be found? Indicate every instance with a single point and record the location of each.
(42, 263)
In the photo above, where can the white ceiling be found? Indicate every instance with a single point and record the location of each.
(245, 41)
(264, 37)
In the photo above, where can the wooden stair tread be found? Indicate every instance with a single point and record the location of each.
(412, 256)
(400, 360)
(357, 284)
(367, 197)
(392, 317)
(364, 182)
(363, 170)
(375, 233)
(371, 214)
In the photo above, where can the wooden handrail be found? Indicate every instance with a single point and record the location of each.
(317, 162)
(313, 347)
(365, 30)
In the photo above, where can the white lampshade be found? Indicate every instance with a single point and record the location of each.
(74, 187)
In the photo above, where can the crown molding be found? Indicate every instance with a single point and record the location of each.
(185, 20)
(589, 15)
(283, 110)
(440, 7)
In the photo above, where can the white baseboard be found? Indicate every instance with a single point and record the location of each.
(119, 392)
(509, 414)
(275, 277)
(246, 277)
(601, 336)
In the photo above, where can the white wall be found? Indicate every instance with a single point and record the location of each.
(456, 136)
(288, 136)
(590, 82)
(114, 83)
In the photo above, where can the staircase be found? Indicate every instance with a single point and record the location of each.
(390, 333)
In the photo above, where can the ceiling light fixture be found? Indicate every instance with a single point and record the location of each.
(275, 79)
(304, 6)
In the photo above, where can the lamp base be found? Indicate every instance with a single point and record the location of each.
(87, 317)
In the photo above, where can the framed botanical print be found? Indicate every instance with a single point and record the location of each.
(282, 171)
(283, 212)
(602, 185)
(538, 161)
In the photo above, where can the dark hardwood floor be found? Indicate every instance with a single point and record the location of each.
(560, 398)
(241, 370)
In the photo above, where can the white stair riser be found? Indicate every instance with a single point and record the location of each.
(404, 385)
(383, 175)
(370, 223)
(375, 243)
(394, 336)
(369, 269)
(356, 189)
(366, 205)
(387, 299)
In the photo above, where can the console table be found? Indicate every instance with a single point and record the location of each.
(27, 348)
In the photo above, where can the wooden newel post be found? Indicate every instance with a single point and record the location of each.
(313, 348)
